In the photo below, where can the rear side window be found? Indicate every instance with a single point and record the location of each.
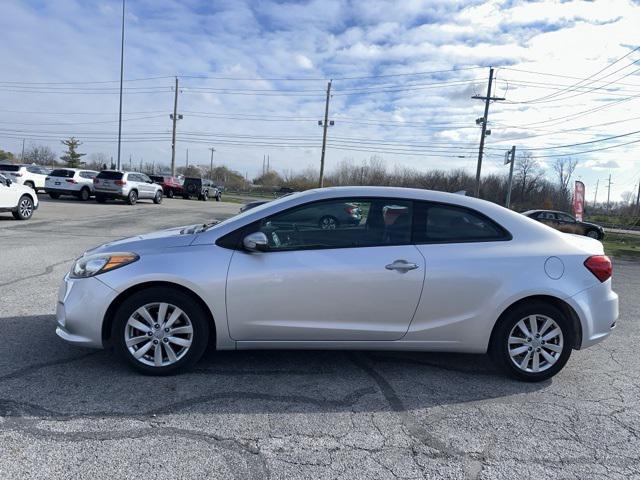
(546, 216)
(88, 174)
(10, 168)
(62, 173)
(443, 223)
(110, 175)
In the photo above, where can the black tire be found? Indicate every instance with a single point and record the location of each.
(199, 322)
(593, 233)
(499, 344)
(218, 197)
(328, 222)
(158, 198)
(205, 196)
(170, 193)
(186, 196)
(24, 210)
(132, 198)
(85, 194)
(55, 196)
(101, 199)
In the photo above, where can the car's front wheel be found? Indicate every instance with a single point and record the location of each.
(24, 209)
(593, 233)
(160, 331)
(85, 193)
(158, 198)
(532, 342)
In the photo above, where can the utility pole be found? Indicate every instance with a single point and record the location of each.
(325, 125)
(211, 167)
(264, 159)
(608, 194)
(22, 156)
(484, 122)
(595, 197)
(268, 163)
(121, 81)
(512, 153)
(175, 117)
(638, 201)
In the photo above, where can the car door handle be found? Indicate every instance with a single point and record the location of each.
(401, 266)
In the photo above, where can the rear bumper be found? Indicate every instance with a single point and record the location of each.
(117, 194)
(62, 191)
(597, 308)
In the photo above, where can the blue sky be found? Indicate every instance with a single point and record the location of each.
(253, 75)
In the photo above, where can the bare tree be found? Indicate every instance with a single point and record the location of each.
(40, 155)
(564, 167)
(527, 174)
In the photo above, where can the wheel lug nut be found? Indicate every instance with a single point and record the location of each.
(150, 334)
(537, 335)
(166, 330)
(165, 340)
(156, 326)
(530, 348)
(155, 342)
(537, 349)
(528, 339)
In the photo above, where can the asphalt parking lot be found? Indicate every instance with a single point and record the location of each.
(67, 412)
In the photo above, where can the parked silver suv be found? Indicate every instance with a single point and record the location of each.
(127, 186)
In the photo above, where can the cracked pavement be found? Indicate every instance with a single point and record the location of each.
(67, 412)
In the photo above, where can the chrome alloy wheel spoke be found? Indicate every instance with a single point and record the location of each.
(541, 346)
(158, 334)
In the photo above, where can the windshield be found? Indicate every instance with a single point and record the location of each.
(10, 168)
(254, 210)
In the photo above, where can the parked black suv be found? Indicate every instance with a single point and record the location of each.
(201, 188)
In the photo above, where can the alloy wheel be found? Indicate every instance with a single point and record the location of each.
(158, 334)
(535, 343)
(25, 207)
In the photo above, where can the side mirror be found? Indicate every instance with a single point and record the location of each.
(255, 242)
(8, 182)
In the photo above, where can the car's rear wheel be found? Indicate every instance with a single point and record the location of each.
(160, 331)
(31, 185)
(218, 197)
(132, 198)
(170, 193)
(24, 211)
(532, 342)
(593, 234)
(158, 198)
(328, 222)
(101, 199)
(85, 193)
(205, 195)
(55, 196)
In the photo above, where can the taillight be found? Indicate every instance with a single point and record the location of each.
(600, 266)
(70, 180)
(120, 182)
(48, 178)
(95, 180)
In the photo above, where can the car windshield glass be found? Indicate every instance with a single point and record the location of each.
(9, 168)
(156, 178)
(110, 175)
(62, 173)
(254, 210)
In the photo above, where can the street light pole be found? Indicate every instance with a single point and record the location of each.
(121, 79)
(211, 167)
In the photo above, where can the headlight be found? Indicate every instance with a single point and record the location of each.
(91, 265)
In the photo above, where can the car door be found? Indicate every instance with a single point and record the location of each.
(148, 186)
(353, 282)
(567, 224)
(466, 264)
(7, 196)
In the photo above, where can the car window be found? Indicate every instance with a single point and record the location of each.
(144, 178)
(33, 169)
(343, 223)
(443, 223)
(134, 177)
(546, 216)
(88, 174)
(110, 175)
(64, 173)
(3, 180)
(10, 168)
(565, 218)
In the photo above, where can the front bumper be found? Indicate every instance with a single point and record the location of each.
(82, 304)
(597, 308)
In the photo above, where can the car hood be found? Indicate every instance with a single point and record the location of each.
(169, 238)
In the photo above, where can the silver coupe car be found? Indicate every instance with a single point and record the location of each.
(411, 270)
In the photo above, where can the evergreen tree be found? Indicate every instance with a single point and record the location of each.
(71, 156)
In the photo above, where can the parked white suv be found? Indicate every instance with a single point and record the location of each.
(127, 186)
(70, 181)
(32, 176)
(21, 201)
